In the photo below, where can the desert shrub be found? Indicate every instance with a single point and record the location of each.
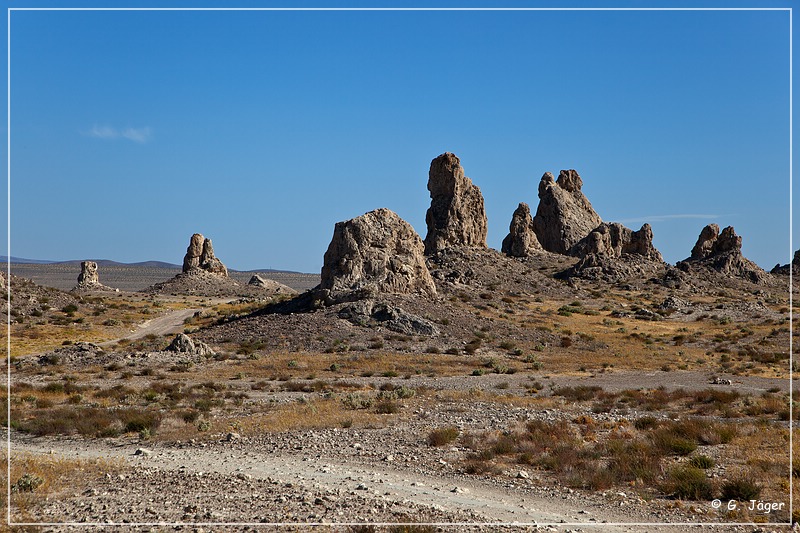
(740, 488)
(472, 346)
(356, 400)
(442, 436)
(702, 461)
(629, 460)
(90, 421)
(688, 483)
(669, 443)
(387, 407)
(645, 422)
(27, 483)
(580, 393)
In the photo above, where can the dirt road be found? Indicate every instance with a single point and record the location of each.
(353, 484)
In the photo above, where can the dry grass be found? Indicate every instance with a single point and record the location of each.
(97, 319)
(57, 477)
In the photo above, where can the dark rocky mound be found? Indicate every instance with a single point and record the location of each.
(793, 267)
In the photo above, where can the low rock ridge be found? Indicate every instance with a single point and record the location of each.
(370, 313)
(612, 239)
(793, 267)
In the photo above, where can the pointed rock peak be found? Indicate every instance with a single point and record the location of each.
(570, 180)
(564, 215)
(547, 181)
(521, 240)
(445, 175)
(375, 253)
(456, 216)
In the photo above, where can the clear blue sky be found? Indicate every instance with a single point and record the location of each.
(132, 130)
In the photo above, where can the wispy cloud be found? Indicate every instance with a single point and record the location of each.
(666, 218)
(139, 135)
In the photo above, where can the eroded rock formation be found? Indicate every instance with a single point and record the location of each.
(88, 275)
(612, 239)
(722, 252)
(456, 216)
(375, 253)
(565, 215)
(521, 240)
(89, 279)
(200, 256)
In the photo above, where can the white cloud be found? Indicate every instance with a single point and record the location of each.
(665, 218)
(139, 135)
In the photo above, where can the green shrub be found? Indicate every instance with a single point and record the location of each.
(702, 461)
(688, 483)
(740, 488)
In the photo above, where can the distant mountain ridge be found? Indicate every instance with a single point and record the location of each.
(108, 262)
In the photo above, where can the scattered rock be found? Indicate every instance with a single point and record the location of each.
(182, 343)
(675, 304)
(270, 285)
(720, 381)
(375, 253)
(521, 240)
(565, 215)
(456, 216)
(200, 256)
(370, 313)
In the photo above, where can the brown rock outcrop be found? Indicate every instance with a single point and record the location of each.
(200, 256)
(375, 253)
(521, 240)
(722, 252)
(565, 215)
(612, 239)
(456, 216)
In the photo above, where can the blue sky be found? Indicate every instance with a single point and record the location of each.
(130, 130)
